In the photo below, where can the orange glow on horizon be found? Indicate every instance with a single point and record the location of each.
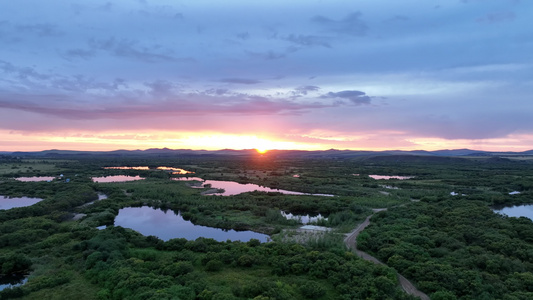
(12, 141)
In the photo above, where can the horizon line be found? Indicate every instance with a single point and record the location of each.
(267, 150)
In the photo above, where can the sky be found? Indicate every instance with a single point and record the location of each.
(299, 74)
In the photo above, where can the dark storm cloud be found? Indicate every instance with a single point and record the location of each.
(240, 80)
(356, 97)
(349, 25)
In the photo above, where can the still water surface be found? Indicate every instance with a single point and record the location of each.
(168, 225)
(12, 281)
(116, 178)
(378, 177)
(517, 211)
(234, 188)
(35, 178)
(303, 219)
(7, 202)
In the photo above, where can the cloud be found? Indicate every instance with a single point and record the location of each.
(74, 54)
(163, 100)
(349, 25)
(356, 97)
(41, 30)
(303, 90)
(307, 40)
(397, 18)
(497, 17)
(22, 73)
(161, 12)
(132, 49)
(268, 55)
(240, 80)
(243, 35)
(161, 88)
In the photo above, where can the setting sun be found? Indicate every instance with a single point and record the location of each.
(261, 150)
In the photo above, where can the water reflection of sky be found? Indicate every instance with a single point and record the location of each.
(176, 170)
(127, 168)
(377, 177)
(12, 282)
(187, 178)
(168, 225)
(116, 178)
(234, 188)
(7, 203)
(303, 219)
(517, 211)
(35, 178)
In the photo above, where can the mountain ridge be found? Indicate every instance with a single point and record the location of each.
(333, 153)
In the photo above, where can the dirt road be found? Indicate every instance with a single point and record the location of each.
(351, 242)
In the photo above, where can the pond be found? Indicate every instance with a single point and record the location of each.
(128, 168)
(187, 179)
(303, 219)
(378, 177)
(12, 281)
(8, 202)
(516, 211)
(168, 225)
(234, 188)
(35, 178)
(116, 178)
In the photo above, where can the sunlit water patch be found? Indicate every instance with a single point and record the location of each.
(517, 211)
(386, 177)
(12, 281)
(168, 225)
(35, 178)
(8, 202)
(175, 171)
(303, 219)
(116, 178)
(233, 188)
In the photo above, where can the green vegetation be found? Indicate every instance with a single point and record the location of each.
(451, 247)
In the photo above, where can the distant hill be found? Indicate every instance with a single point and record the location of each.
(331, 153)
(458, 152)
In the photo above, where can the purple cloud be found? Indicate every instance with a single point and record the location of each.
(132, 49)
(356, 97)
(350, 25)
(303, 90)
(307, 40)
(240, 80)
